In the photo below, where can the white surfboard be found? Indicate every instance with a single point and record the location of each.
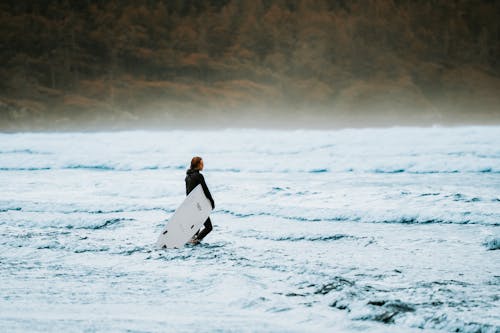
(186, 221)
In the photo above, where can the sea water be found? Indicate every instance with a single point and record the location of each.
(354, 230)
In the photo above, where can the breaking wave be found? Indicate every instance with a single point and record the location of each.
(370, 230)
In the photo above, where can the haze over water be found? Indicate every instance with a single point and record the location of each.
(379, 230)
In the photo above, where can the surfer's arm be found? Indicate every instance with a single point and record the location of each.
(206, 191)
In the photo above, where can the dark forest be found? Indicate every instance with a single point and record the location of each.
(122, 64)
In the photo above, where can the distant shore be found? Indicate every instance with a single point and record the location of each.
(308, 64)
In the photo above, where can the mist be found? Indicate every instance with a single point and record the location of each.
(115, 65)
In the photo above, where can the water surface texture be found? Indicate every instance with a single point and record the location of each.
(379, 230)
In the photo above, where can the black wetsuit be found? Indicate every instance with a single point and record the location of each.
(193, 179)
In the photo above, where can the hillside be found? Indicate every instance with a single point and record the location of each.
(123, 64)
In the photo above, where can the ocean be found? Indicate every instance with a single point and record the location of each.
(352, 230)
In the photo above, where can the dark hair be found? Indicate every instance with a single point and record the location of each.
(195, 162)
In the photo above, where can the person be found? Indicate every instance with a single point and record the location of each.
(193, 179)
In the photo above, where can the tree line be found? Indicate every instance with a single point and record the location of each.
(311, 49)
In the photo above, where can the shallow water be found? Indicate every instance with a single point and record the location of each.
(385, 230)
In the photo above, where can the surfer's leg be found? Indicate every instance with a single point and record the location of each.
(206, 230)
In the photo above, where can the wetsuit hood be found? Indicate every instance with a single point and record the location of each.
(191, 171)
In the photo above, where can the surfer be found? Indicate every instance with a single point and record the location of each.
(193, 179)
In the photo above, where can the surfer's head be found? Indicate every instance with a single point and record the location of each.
(197, 163)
